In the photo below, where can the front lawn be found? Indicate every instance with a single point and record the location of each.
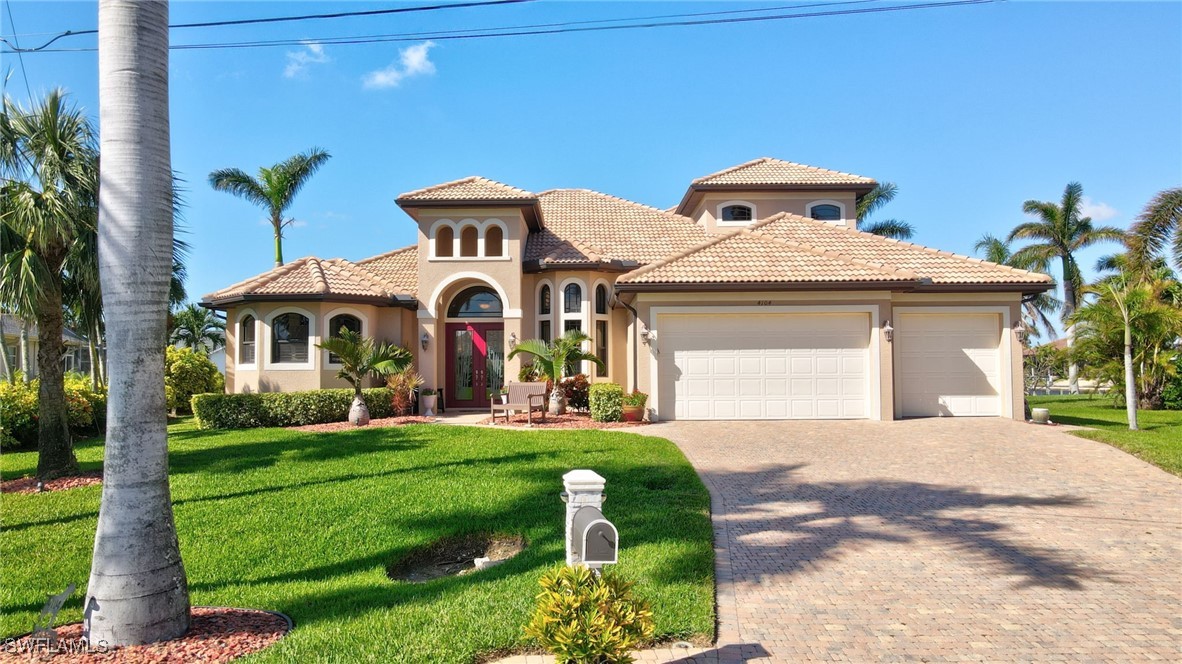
(1159, 440)
(306, 523)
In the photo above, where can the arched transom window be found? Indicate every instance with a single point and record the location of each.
(825, 212)
(572, 299)
(736, 213)
(475, 302)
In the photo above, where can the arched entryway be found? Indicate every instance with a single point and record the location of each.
(475, 348)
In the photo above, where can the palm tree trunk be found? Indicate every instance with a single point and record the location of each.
(9, 374)
(1069, 333)
(138, 592)
(91, 348)
(1130, 380)
(26, 361)
(277, 223)
(99, 359)
(55, 449)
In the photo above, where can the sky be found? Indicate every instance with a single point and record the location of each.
(970, 110)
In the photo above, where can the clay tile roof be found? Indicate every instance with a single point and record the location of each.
(468, 189)
(580, 225)
(312, 276)
(769, 171)
(398, 268)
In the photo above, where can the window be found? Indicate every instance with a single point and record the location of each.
(444, 241)
(572, 367)
(544, 331)
(544, 300)
(825, 212)
(736, 213)
(475, 302)
(569, 325)
(346, 321)
(601, 346)
(289, 339)
(572, 299)
(601, 299)
(494, 241)
(246, 341)
(468, 240)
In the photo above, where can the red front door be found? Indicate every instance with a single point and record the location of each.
(475, 363)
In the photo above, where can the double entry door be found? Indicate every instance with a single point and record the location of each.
(475, 363)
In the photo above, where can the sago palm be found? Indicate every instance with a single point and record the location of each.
(1035, 310)
(1158, 227)
(552, 359)
(883, 193)
(275, 188)
(198, 328)
(361, 357)
(1060, 231)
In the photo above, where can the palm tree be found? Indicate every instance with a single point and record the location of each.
(553, 359)
(1036, 310)
(50, 171)
(361, 357)
(1061, 231)
(883, 193)
(1160, 221)
(275, 188)
(198, 328)
(138, 592)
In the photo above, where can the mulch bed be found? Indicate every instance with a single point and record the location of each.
(29, 484)
(566, 421)
(381, 422)
(215, 635)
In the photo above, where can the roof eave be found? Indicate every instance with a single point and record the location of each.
(404, 301)
(530, 208)
(538, 265)
(746, 286)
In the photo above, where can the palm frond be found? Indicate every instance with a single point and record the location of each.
(893, 228)
(880, 195)
(995, 250)
(1158, 222)
(294, 173)
(239, 183)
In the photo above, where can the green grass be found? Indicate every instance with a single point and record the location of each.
(306, 523)
(1159, 440)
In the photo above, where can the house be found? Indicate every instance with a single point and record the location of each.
(754, 298)
(76, 357)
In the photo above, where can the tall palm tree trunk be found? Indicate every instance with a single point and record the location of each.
(138, 592)
(1130, 378)
(1069, 303)
(55, 449)
(26, 362)
(277, 223)
(5, 366)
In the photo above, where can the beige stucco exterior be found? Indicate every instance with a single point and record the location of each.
(765, 204)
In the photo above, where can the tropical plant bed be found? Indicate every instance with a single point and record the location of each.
(215, 635)
(381, 422)
(29, 484)
(1159, 440)
(306, 524)
(564, 421)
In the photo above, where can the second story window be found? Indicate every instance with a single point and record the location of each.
(494, 241)
(444, 239)
(468, 241)
(825, 212)
(736, 213)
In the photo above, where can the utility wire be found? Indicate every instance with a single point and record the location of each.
(19, 56)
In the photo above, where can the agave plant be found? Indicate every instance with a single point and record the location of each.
(361, 357)
(551, 361)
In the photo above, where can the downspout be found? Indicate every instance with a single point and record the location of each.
(635, 341)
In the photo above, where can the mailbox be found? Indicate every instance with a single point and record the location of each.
(594, 538)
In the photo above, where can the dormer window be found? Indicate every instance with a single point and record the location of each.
(737, 213)
(825, 212)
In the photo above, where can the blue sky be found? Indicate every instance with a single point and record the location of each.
(970, 110)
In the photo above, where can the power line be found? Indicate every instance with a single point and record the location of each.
(276, 19)
(525, 31)
(19, 56)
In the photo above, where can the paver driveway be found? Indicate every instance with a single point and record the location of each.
(938, 540)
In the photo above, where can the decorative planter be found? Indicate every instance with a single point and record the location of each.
(427, 405)
(633, 413)
(1040, 415)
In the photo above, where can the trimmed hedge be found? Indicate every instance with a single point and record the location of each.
(607, 402)
(285, 409)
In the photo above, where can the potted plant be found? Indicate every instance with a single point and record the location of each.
(634, 406)
(361, 357)
(427, 399)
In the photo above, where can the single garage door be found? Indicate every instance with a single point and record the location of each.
(764, 366)
(948, 364)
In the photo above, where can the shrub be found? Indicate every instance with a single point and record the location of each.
(402, 390)
(589, 619)
(1171, 394)
(635, 398)
(285, 409)
(187, 372)
(577, 391)
(86, 409)
(607, 402)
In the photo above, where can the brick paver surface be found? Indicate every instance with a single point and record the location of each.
(938, 540)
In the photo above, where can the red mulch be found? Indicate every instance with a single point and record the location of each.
(567, 421)
(215, 635)
(382, 422)
(29, 484)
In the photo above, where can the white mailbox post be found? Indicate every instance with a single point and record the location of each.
(591, 539)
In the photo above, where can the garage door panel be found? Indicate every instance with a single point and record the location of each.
(949, 364)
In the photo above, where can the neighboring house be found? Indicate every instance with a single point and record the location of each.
(218, 357)
(76, 357)
(754, 298)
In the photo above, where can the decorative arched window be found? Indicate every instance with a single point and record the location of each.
(544, 309)
(825, 212)
(468, 240)
(600, 299)
(246, 345)
(338, 322)
(572, 299)
(736, 213)
(289, 339)
(544, 300)
(475, 302)
(444, 241)
(494, 241)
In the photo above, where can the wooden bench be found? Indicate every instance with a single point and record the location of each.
(522, 396)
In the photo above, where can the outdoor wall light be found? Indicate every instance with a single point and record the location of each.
(888, 330)
(647, 336)
(425, 340)
(1020, 328)
(512, 340)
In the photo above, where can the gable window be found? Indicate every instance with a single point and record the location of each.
(246, 341)
(825, 212)
(572, 299)
(444, 241)
(336, 324)
(475, 302)
(737, 213)
(468, 240)
(600, 299)
(289, 339)
(494, 241)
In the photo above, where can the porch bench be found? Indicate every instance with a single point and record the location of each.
(522, 396)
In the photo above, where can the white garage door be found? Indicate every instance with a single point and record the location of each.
(764, 366)
(948, 364)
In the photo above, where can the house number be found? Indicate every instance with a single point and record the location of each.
(764, 303)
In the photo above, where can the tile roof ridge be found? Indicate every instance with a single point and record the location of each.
(621, 199)
(319, 279)
(360, 274)
(464, 180)
(265, 277)
(819, 168)
(386, 254)
(583, 247)
(730, 169)
(645, 269)
(834, 255)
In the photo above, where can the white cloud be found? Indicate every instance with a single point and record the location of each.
(412, 61)
(1096, 210)
(298, 61)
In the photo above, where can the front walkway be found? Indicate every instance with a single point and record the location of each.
(937, 540)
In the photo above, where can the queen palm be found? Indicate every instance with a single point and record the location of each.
(274, 189)
(883, 193)
(1059, 232)
(198, 328)
(1035, 310)
(361, 357)
(138, 592)
(1158, 230)
(551, 361)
